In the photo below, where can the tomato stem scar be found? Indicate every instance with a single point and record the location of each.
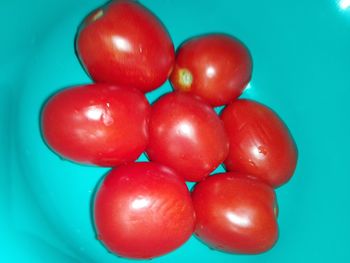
(185, 79)
(97, 15)
(275, 210)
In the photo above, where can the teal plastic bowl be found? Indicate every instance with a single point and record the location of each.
(301, 54)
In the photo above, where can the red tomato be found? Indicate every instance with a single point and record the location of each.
(260, 143)
(235, 214)
(97, 124)
(186, 135)
(216, 67)
(143, 210)
(124, 43)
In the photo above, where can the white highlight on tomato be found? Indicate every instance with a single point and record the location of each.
(121, 44)
(140, 203)
(94, 113)
(210, 72)
(237, 219)
(185, 129)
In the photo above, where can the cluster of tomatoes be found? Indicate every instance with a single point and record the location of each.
(144, 209)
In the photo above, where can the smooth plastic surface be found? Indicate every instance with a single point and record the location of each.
(301, 56)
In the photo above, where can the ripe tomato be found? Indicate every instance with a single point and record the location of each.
(186, 135)
(235, 214)
(260, 143)
(143, 210)
(124, 43)
(93, 124)
(216, 67)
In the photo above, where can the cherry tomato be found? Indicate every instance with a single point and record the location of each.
(143, 210)
(260, 143)
(186, 135)
(235, 214)
(216, 67)
(97, 124)
(123, 43)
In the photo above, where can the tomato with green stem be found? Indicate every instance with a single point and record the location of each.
(123, 43)
(215, 67)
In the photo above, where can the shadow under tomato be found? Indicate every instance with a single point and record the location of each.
(92, 203)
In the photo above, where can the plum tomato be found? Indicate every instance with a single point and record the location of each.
(187, 135)
(235, 214)
(123, 43)
(143, 210)
(216, 67)
(97, 124)
(260, 143)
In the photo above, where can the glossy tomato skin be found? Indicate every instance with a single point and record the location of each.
(260, 143)
(216, 67)
(143, 210)
(123, 43)
(186, 135)
(235, 214)
(97, 124)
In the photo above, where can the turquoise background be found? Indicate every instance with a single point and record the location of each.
(301, 53)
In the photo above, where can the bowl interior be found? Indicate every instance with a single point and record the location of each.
(301, 69)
